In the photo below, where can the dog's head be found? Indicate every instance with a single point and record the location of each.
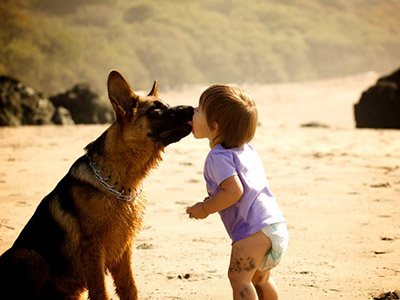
(147, 119)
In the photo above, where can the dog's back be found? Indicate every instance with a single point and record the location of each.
(39, 257)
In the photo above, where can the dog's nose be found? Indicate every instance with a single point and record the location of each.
(191, 110)
(185, 109)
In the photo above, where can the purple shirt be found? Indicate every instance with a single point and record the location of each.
(257, 207)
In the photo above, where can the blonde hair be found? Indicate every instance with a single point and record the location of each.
(233, 110)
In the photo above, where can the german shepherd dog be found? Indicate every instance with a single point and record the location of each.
(86, 225)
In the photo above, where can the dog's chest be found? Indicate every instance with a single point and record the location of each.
(122, 223)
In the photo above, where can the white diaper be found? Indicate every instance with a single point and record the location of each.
(279, 237)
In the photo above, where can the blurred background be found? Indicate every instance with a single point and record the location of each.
(51, 45)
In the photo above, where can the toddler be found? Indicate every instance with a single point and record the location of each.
(238, 190)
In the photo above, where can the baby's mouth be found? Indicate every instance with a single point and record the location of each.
(191, 124)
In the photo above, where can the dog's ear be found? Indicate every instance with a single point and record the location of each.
(123, 99)
(154, 90)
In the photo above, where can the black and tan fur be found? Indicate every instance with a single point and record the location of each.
(80, 230)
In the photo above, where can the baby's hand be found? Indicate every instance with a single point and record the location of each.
(197, 211)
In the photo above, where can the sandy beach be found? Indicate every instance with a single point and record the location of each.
(338, 187)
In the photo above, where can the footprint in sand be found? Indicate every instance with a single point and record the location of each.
(191, 180)
(381, 185)
(145, 246)
(3, 223)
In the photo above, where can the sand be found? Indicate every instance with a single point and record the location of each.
(338, 187)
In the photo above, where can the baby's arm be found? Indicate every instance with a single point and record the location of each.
(230, 192)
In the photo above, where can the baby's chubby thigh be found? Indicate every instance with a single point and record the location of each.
(247, 255)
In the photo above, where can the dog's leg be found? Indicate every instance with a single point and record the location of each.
(94, 265)
(123, 277)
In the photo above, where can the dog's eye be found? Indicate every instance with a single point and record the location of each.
(157, 109)
(159, 105)
(156, 112)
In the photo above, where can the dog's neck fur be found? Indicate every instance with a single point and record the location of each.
(126, 165)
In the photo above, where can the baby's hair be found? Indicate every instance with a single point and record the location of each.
(233, 110)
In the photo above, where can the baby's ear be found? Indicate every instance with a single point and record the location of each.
(214, 126)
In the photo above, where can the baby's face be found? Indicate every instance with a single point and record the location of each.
(200, 128)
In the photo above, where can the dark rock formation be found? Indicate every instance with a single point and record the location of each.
(379, 106)
(22, 105)
(62, 116)
(84, 105)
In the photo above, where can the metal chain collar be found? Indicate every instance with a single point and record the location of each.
(111, 188)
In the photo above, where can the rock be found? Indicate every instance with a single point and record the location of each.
(186, 276)
(388, 296)
(22, 105)
(62, 116)
(379, 106)
(84, 105)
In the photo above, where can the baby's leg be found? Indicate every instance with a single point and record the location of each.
(265, 285)
(246, 258)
